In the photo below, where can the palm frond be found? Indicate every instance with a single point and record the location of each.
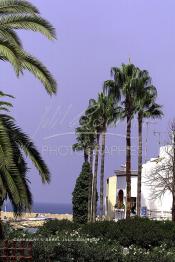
(17, 6)
(10, 53)
(5, 104)
(10, 36)
(2, 94)
(10, 185)
(111, 89)
(39, 71)
(21, 181)
(34, 23)
(77, 147)
(13, 169)
(28, 147)
(3, 190)
(7, 165)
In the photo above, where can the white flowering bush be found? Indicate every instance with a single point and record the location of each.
(134, 240)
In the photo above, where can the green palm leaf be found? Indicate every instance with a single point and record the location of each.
(13, 170)
(39, 71)
(5, 104)
(27, 146)
(16, 14)
(7, 165)
(9, 52)
(3, 190)
(10, 36)
(28, 22)
(16, 6)
(2, 94)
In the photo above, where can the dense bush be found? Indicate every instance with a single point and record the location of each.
(132, 240)
(137, 231)
(76, 251)
(157, 254)
(56, 227)
(98, 251)
(80, 195)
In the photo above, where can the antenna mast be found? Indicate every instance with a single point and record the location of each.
(148, 123)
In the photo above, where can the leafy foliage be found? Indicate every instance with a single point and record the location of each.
(13, 168)
(124, 241)
(80, 195)
(77, 251)
(55, 227)
(19, 14)
(140, 232)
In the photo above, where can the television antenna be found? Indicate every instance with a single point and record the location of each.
(159, 133)
(148, 123)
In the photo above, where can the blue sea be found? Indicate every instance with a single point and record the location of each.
(52, 208)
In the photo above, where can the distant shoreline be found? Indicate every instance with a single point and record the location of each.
(24, 221)
(47, 208)
(10, 215)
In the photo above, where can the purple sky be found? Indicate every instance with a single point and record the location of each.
(93, 36)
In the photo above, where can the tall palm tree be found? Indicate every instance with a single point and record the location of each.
(125, 84)
(19, 14)
(101, 112)
(146, 107)
(13, 168)
(95, 123)
(109, 113)
(94, 180)
(86, 142)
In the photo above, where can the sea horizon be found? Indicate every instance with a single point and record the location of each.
(41, 207)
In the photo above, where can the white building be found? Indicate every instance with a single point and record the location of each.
(155, 208)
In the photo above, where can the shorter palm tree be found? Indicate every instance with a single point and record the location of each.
(109, 113)
(146, 107)
(86, 142)
(13, 166)
(94, 121)
(124, 85)
(101, 112)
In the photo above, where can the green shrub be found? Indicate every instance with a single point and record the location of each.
(43, 250)
(135, 231)
(98, 251)
(100, 229)
(80, 195)
(101, 239)
(77, 251)
(158, 254)
(56, 227)
(140, 232)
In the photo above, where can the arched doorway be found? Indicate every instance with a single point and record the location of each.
(120, 199)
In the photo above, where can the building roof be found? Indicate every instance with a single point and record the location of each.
(123, 173)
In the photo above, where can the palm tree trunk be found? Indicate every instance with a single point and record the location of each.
(85, 156)
(102, 174)
(1, 226)
(128, 167)
(90, 187)
(91, 159)
(94, 190)
(173, 208)
(173, 186)
(139, 181)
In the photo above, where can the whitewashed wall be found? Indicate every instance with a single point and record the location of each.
(164, 203)
(121, 185)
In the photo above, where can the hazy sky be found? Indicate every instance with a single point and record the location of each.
(93, 36)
